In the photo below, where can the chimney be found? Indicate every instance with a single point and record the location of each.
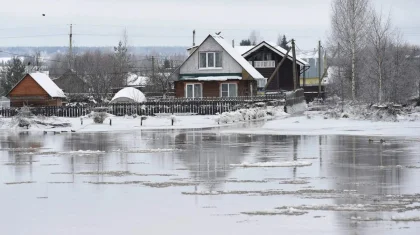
(233, 43)
(194, 38)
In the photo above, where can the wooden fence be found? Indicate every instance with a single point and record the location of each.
(205, 106)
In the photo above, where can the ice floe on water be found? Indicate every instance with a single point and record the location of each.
(105, 173)
(274, 164)
(20, 182)
(83, 152)
(158, 150)
(169, 184)
(367, 219)
(288, 211)
(202, 193)
(405, 218)
(294, 182)
(352, 207)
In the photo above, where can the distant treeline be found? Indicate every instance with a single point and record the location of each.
(161, 50)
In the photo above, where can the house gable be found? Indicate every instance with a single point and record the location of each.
(276, 49)
(27, 87)
(229, 65)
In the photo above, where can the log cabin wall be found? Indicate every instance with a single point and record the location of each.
(29, 92)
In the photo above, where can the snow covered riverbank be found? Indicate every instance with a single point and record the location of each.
(118, 124)
(315, 124)
(277, 123)
(129, 123)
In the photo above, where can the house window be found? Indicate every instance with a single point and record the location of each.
(194, 91)
(229, 90)
(210, 60)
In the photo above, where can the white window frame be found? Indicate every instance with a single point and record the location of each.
(192, 84)
(265, 64)
(207, 59)
(221, 90)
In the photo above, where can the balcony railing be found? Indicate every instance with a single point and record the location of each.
(265, 64)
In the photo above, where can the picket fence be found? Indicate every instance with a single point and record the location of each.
(205, 106)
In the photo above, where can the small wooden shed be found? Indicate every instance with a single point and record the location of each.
(36, 89)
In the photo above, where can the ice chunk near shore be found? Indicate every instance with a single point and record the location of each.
(404, 218)
(274, 164)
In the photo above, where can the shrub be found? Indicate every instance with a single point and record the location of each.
(24, 112)
(99, 117)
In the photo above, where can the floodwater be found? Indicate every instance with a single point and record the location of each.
(186, 182)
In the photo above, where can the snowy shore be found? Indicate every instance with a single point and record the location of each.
(117, 124)
(311, 123)
(317, 125)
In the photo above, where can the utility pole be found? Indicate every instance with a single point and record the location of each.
(295, 81)
(319, 69)
(71, 46)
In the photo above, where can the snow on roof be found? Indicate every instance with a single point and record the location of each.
(246, 50)
(238, 57)
(47, 84)
(135, 80)
(129, 94)
(213, 78)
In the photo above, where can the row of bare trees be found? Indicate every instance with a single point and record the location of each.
(105, 71)
(371, 62)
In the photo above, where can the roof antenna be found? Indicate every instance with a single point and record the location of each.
(218, 33)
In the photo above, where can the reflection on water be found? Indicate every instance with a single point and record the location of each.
(142, 180)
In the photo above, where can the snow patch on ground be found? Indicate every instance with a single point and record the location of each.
(297, 108)
(243, 115)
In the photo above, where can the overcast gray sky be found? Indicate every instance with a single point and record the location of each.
(170, 23)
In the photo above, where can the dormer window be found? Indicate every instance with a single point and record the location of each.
(210, 60)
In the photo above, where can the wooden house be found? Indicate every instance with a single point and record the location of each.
(71, 83)
(36, 89)
(215, 69)
(265, 57)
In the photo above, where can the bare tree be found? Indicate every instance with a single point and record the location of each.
(254, 37)
(380, 40)
(160, 80)
(349, 28)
